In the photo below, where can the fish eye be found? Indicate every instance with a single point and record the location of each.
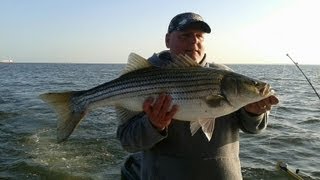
(254, 82)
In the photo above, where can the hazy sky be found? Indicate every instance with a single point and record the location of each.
(102, 31)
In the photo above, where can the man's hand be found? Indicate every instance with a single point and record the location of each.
(159, 112)
(262, 106)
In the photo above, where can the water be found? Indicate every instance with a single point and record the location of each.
(28, 145)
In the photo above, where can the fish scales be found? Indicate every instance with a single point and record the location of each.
(149, 77)
(176, 81)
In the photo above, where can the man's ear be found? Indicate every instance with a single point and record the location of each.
(167, 39)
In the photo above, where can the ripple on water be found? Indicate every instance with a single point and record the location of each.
(77, 157)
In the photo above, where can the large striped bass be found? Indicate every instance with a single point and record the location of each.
(202, 94)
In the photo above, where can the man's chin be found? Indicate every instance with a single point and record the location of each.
(194, 56)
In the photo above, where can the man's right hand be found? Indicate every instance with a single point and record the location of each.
(159, 111)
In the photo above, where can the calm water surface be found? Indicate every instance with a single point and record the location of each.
(28, 126)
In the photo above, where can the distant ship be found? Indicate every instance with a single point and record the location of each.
(10, 60)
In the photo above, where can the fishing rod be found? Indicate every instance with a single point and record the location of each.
(295, 63)
(284, 167)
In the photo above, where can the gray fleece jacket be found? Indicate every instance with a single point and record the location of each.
(175, 154)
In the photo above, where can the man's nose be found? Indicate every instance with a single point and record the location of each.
(194, 39)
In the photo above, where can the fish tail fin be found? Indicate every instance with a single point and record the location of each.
(68, 119)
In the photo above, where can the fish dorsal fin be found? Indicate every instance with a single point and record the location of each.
(181, 61)
(135, 62)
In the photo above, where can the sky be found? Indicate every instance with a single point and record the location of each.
(101, 31)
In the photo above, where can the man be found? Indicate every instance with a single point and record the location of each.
(165, 148)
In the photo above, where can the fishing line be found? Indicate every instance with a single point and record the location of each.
(295, 63)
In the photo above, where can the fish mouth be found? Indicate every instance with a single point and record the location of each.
(266, 91)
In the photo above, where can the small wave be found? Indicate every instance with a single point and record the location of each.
(259, 173)
(294, 108)
(63, 83)
(78, 156)
(310, 121)
(26, 169)
(5, 115)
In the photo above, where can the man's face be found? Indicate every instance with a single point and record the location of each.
(189, 42)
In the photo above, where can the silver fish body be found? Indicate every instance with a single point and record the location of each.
(202, 94)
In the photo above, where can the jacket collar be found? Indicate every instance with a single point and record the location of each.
(163, 58)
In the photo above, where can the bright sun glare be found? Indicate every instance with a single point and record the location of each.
(294, 30)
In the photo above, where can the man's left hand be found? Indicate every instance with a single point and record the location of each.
(262, 106)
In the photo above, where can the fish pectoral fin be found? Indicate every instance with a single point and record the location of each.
(207, 126)
(194, 127)
(135, 62)
(124, 114)
(215, 101)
